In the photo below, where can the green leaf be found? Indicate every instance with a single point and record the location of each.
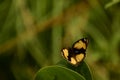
(82, 68)
(112, 3)
(57, 73)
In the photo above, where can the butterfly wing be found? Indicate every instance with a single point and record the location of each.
(82, 43)
(79, 49)
(79, 57)
(77, 53)
(67, 54)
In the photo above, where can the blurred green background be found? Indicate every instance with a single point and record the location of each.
(33, 32)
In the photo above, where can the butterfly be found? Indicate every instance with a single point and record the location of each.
(77, 53)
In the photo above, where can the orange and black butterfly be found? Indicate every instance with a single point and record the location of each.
(77, 53)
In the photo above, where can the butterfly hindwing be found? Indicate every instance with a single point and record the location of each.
(73, 61)
(65, 53)
(69, 56)
(77, 53)
(80, 57)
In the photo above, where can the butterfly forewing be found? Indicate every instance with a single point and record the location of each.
(82, 43)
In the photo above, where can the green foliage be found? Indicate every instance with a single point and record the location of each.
(82, 68)
(57, 73)
(64, 71)
(32, 33)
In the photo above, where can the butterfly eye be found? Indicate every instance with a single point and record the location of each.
(86, 40)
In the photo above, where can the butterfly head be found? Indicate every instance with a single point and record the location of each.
(85, 40)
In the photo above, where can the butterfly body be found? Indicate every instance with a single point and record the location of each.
(77, 53)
